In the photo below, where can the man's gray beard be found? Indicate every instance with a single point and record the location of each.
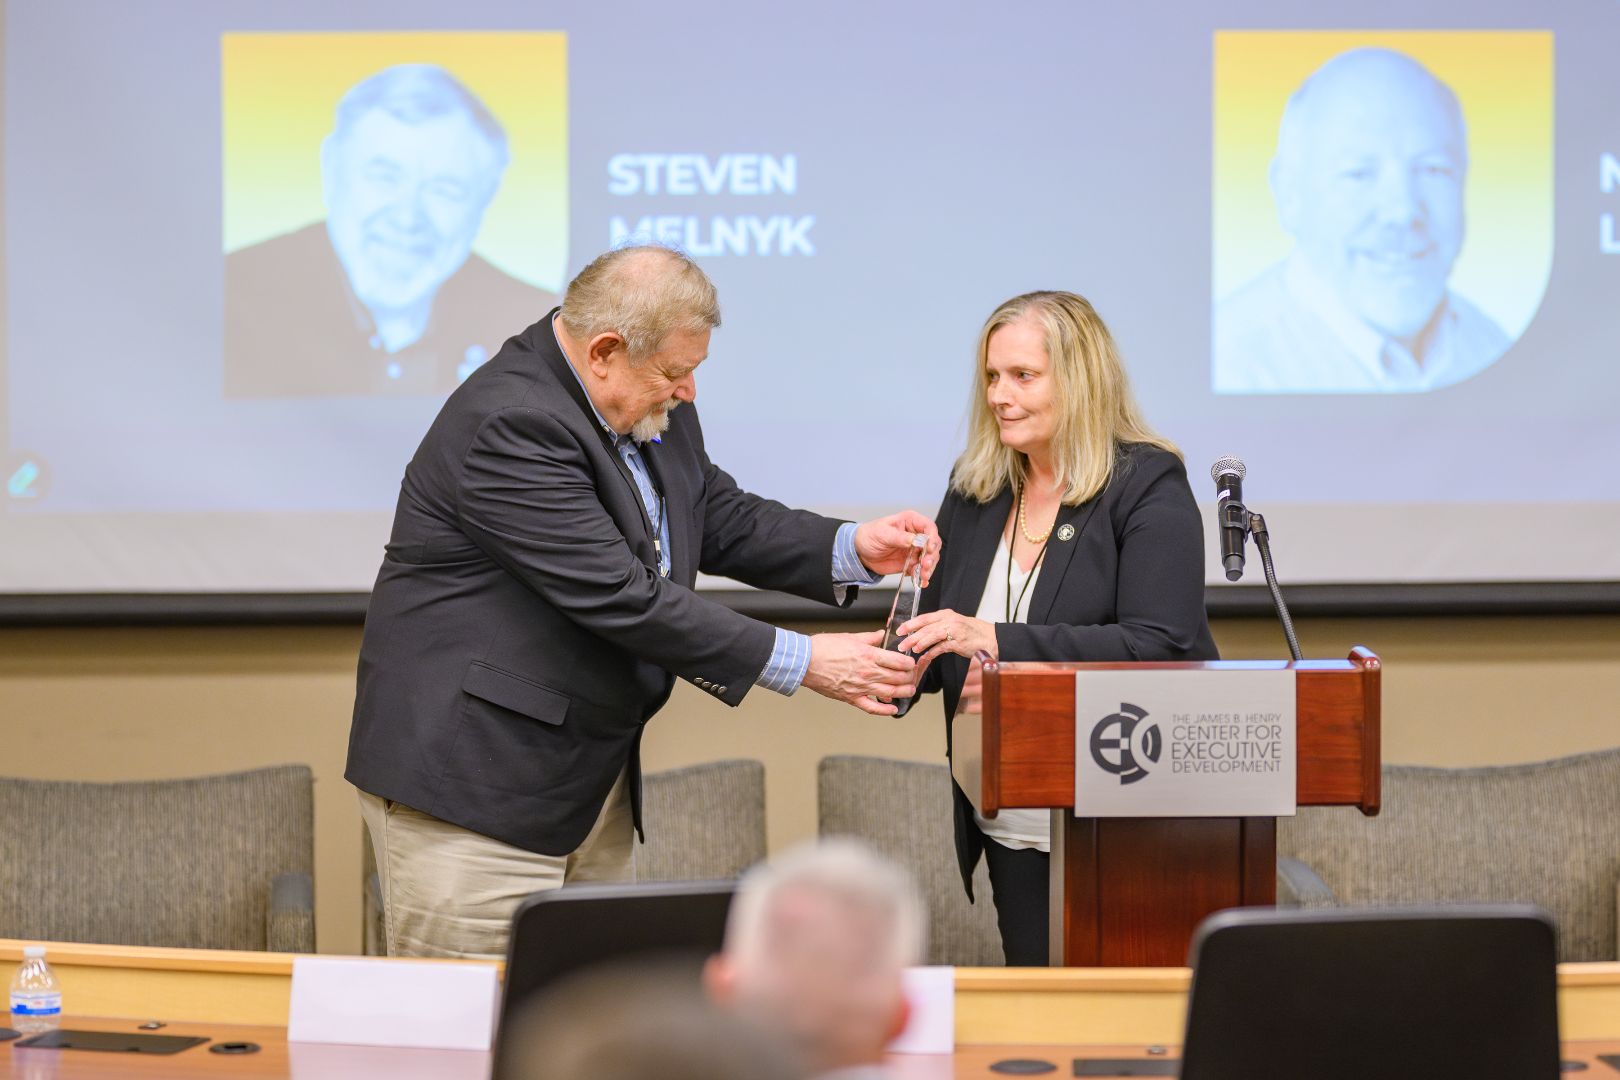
(652, 425)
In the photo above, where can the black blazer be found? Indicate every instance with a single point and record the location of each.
(1129, 585)
(519, 635)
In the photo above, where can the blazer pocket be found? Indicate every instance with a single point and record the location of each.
(515, 692)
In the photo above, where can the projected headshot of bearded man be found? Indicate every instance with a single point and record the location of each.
(385, 296)
(1368, 179)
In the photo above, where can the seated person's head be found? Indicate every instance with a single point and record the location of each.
(815, 946)
(628, 1022)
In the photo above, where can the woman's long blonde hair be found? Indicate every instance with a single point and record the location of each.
(1097, 413)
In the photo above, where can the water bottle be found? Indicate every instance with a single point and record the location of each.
(36, 996)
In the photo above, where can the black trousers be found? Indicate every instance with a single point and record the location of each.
(1018, 883)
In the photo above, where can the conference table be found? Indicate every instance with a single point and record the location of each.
(1053, 1015)
(276, 1058)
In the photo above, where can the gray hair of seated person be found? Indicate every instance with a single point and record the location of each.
(818, 939)
(643, 293)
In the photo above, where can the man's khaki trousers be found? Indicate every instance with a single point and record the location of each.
(447, 891)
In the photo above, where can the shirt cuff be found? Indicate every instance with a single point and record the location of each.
(790, 659)
(846, 565)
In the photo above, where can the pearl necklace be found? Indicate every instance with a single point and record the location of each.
(1015, 606)
(1023, 525)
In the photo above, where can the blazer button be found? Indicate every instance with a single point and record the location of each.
(704, 683)
(720, 690)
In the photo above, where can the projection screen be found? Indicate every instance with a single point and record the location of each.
(1367, 248)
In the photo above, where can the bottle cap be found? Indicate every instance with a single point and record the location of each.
(33, 952)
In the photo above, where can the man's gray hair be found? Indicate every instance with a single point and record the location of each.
(643, 293)
(412, 93)
(818, 939)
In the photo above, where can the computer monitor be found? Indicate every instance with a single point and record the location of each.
(675, 924)
(1392, 993)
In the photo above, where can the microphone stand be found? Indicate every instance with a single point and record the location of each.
(1262, 543)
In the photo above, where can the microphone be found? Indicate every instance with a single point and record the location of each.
(1233, 518)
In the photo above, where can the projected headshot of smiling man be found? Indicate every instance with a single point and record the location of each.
(386, 296)
(407, 174)
(1368, 179)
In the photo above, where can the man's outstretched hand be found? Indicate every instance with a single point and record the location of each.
(884, 543)
(851, 667)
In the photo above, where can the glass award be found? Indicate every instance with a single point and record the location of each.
(907, 599)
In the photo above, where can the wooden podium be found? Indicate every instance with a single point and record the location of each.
(1128, 892)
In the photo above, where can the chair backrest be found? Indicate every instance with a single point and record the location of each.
(1546, 833)
(559, 932)
(185, 863)
(661, 929)
(703, 822)
(1353, 993)
(903, 810)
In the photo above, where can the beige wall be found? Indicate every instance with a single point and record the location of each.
(143, 703)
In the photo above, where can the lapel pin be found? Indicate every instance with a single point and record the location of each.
(1066, 533)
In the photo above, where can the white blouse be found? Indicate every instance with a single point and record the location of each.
(1017, 829)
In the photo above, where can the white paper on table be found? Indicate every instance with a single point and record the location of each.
(931, 991)
(331, 1061)
(377, 1002)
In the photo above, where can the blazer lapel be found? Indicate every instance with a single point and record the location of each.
(543, 340)
(961, 594)
(1059, 553)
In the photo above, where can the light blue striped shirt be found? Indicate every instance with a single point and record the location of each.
(790, 657)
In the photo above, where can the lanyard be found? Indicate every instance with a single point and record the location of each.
(1014, 605)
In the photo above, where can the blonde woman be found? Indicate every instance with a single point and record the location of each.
(1069, 534)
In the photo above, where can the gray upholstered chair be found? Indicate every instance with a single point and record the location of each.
(703, 822)
(903, 810)
(1546, 833)
(213, 862)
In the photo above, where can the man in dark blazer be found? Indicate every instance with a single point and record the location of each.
(535, 606)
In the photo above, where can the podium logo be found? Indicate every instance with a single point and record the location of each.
(1120, 743)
